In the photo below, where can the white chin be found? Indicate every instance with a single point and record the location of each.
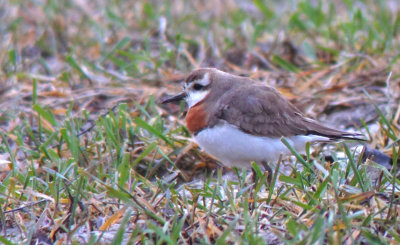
(195, 97)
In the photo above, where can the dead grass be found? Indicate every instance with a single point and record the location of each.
(89, 155)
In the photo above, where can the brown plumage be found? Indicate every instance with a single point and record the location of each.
(196, 119)
(256, 109)
(239, 121)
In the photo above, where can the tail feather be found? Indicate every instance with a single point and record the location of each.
(345, 136)
(315, 128)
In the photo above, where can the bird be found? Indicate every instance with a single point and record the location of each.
(237, 120)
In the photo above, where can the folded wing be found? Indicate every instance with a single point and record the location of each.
(263, 111)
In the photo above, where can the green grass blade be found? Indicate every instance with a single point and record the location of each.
(141, 123)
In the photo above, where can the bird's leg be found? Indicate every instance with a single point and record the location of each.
(255, 179)
(252, 190)
(254, 175)
(269, 170)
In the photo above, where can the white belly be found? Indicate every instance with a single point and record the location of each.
(233, 147)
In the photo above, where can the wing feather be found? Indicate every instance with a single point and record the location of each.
(262, 110)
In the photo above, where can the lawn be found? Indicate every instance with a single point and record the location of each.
(89, 155)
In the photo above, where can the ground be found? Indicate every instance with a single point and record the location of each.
(89, 155)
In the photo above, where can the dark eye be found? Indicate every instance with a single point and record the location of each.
(198, 86)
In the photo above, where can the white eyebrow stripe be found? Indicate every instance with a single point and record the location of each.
(204, 81)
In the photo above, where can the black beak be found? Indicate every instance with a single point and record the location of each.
(177, 97)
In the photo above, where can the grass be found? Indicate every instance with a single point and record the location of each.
(88, 155)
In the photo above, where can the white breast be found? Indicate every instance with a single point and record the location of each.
(233, 147)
